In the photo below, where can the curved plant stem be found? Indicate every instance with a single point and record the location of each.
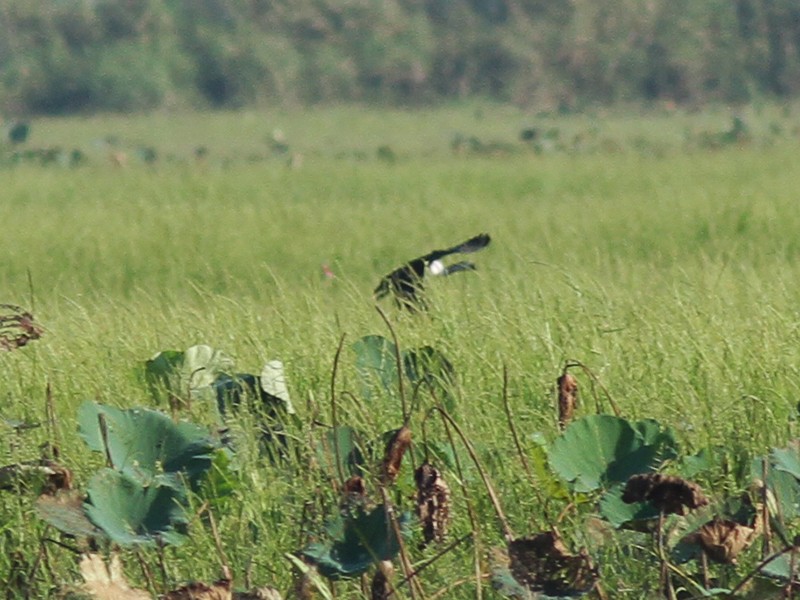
(398, 361)
(336, 453)
(432, 560)
(408, 570)
(473, 519)
(758, 568)
(526, 467)
(498, 509)
(451, 586)
(766, 547)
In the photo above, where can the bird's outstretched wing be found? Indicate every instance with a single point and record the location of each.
(459, 266)
(479, 242)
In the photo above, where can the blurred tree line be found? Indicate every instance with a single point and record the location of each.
(59, 56)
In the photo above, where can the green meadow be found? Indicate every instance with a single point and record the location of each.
(657, 249)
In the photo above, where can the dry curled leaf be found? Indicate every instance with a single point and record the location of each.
(542, 563)
(667, 493)
(106, 581)
(219, 590)
(44, 476)
(395, 449)
(723, 539)
(567, 398)
(433, 503)
(354, 494)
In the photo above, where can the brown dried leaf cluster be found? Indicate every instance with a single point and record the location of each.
(542, 563)
(17, 327)
(567, 398)
(107, 582)
(393, 457)
(668, 493)
(433, 503)
(723, 539)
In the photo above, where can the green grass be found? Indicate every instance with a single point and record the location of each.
(670, 271)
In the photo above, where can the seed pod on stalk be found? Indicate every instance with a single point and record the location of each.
(433, 503)
(393, 457)
(567, 398)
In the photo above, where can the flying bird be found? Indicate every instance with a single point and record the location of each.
(405, 282)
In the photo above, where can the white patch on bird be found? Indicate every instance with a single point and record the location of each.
(436, 267)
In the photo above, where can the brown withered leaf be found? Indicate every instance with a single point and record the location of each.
(354, 494)
(393, 457)
(39, 476)
(106, 581)
(219, 590)
(567, 398)
(433, 503)
(355, 486)
(667, 493)
(64, 510)
(723, 539)
(542, 563)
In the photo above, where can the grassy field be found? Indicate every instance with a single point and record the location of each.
(652, 249)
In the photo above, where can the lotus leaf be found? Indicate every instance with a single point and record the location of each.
(375, 359)
(65, 512)
(273, 382)
(346, 443)
(145, 443)
(599, 450)
(131, 513)
(787, 459)
(162, 373)
(192, 371)
(355, 543)
(633, 515)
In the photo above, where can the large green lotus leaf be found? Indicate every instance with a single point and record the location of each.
(654, 434)
(347, 443)
(202, 364)
(273, 382)
(597, 451)
(192, 371)
(146, 443)
(375, 360)
(355, 543)
(163, 373)
(505, 584)
(781, 481)
(787, 459)
(65, 512)
(429, 366)
(780, 568)
(131, 513)
(624, 514)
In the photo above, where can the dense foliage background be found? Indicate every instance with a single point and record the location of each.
(81, 55)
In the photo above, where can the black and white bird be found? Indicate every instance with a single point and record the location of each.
(405, 282)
